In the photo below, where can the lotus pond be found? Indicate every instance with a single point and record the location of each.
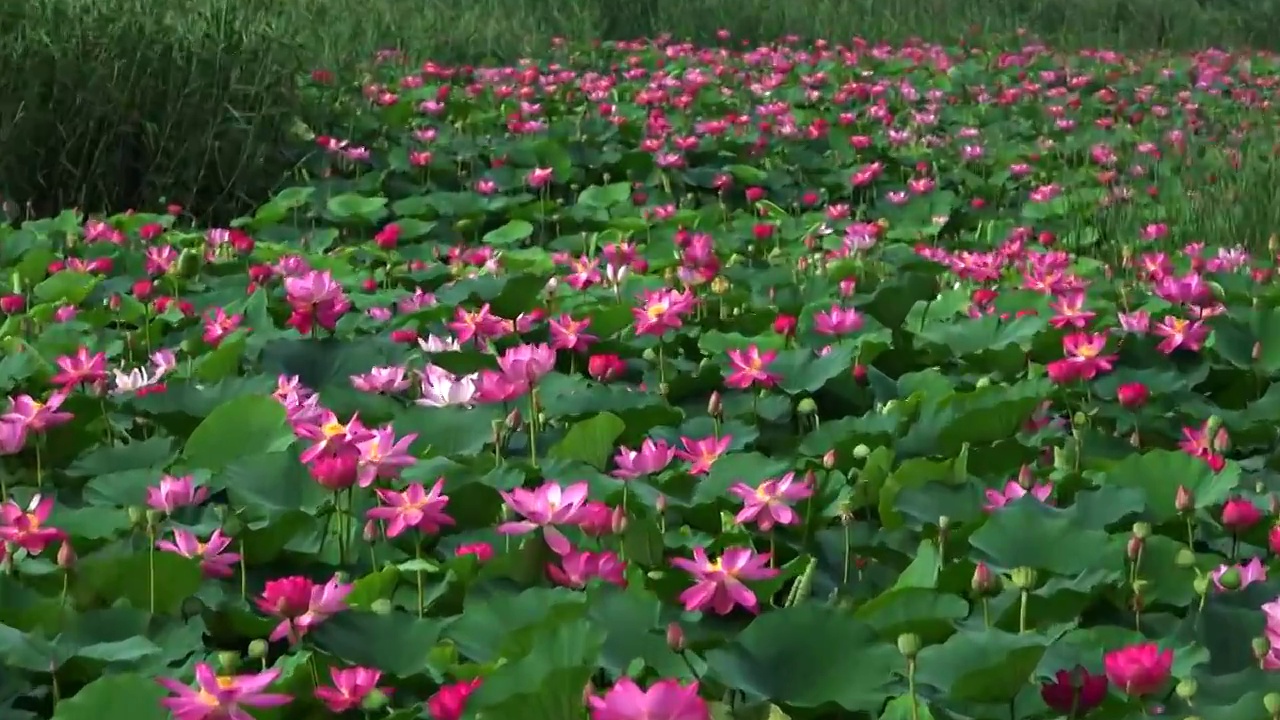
(669, 383)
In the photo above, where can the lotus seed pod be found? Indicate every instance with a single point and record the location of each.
(154, 517)
(861, 451)
(258, 649)
(375, 700)
(664, 389)
(909, 645)
(1187, 688)
(136, 516)
(1079, 420)
(1023, 578)
(1261, 647)
(1186, 558)
(228, 661)
(807, 406)
(381, 606)
(1271, 701)
(1230, 580)
(1200, 585)
(719, 285)
(982, 382)
(649, 355)
(1142, 530)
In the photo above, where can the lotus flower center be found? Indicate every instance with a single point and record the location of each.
(656, 310)
(333, 428)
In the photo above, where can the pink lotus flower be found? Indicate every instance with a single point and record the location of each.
(702, 454)
(350, 688)
(570, 334)
(215, 562)
(301, 604)
(26, 528)
(175, 492)
(770, 502)
(666, 699)
(1140, 669)
(1238, 577)
(719, 585)
(1239, 514)
(384, 380)
(38, 416)
(441, 388)
(329, 434)
(218, 325)
(415, 508)
(662, 310)
(383, 456)
(1180, 333)
(837, 321)
(750, 367)
(652, 457)
(1013, 490)
(221, 697)
(82, 367)
(546, 507)
(449, 702)
(527, 363)
(578, 567)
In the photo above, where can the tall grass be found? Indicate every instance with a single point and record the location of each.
(109, 104)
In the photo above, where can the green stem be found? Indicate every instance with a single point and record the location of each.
(417, 554)
(151, 567)
(1022, 611)
(533, 427)
(911, 688)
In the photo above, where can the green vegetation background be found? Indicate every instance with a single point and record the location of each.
(111, 104)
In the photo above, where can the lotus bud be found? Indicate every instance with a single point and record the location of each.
(675, 637)
(381, 606)
(258, 649)
(370, 532)
(829, 459)
(1187, 688)
(714, 405)
(1026, 477)
(944, 524)
(1271, 701)
(618, 520)
(660, 503)
(861, 451)
(807, 406)
(1023, 578)
(1261, 647)
(984, 582)
(66, 556)
(228, 661)
(1183, 500)
(1211, 426)
(514, 419)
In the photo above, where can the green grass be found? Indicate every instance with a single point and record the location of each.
(112, 104)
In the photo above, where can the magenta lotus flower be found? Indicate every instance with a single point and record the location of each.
(579, 567)
(770, 502)
(301, 604)
(383, 456)
(546, 507)
(215, 561)
(350, 688)
(27, 528)
(384, 380)
(330, 433)
(1013, 490)
(702, 454)
(527, 363)
(415, 508)
(750, 367)
(175, 492)
(719, 585)
(82, 367)
(666, 699)
(221, 697)
(662, 310)
(837, 321)
(38, 416)
(652, 457)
